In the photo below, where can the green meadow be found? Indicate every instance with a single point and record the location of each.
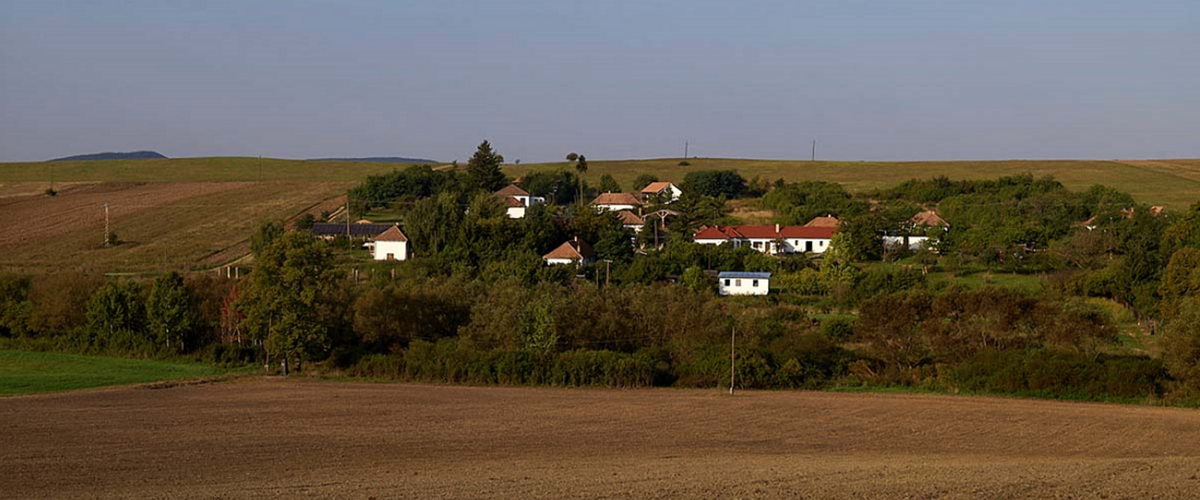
(25, 372)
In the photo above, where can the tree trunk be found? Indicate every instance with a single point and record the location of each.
(284, 364)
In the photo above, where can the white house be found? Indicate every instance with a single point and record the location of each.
(631, 221)
(916, 231)
(616, 202)
(391, 245)
(771, 240)
(665, 191)
(574, 251)
(739, 283)
(516, 200)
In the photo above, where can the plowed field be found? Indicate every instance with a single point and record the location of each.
(271, 438)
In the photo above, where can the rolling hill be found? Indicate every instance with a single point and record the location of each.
(1174, 183)
(197, 213)
(133, 155)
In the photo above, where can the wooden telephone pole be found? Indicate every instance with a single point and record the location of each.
(732, 357)
(107, 235)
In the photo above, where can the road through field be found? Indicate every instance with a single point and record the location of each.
(271, 438)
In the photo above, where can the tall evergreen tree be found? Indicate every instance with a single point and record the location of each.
(484, 168)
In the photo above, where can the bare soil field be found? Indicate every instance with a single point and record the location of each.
(272, 438)
(163, 226)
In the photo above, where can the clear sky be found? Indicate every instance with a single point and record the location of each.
(879, 80)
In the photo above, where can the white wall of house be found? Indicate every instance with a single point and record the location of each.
(615, 208)
(771, 246)
(391, 250)
(516, 212)
(735, 243)
(743, 286)
(561, 261)
(670, 194)
(914, 242)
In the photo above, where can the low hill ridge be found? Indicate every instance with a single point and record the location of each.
(379, 159)
(132, 155)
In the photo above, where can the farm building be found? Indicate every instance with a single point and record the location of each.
(516, 200)
(574, 251)
(741, 283)
(391, 244)
(664, 192)
(616, 202)
(364, 231)
(915, 233)
(771, 240)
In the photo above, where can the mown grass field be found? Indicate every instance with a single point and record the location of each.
(1174, 183)
(24, 372)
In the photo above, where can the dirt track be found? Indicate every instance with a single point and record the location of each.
(263, 438)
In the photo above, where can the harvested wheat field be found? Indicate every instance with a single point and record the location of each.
(271, 438)
(161, 226)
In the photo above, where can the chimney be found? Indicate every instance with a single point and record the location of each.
(577, 238)
(776, 228)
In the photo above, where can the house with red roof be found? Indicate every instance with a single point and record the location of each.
(771, 240)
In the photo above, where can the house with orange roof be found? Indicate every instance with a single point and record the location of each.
(614, 202)
(631, 221)
(391, 244)
(915, 232)
(573, 251)
(516, 200)
(661, 192)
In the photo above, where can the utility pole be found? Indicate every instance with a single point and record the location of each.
(814, 150)
(607, 271)
(732, 358)
(685, 149)
(347, 218)
(51, 167)
(106, 233)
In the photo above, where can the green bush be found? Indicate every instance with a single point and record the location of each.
(1048, 374)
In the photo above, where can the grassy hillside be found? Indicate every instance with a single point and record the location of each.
(219, 169)
(1175, 183)
(23, 372)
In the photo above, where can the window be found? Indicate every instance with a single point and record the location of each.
(822, 243)
(737, 282)
(726, 282)
(755, 283)
(391, 256)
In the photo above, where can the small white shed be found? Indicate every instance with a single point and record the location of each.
(391, 244)
(743, 283)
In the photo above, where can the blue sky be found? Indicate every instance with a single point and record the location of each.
(881, 80)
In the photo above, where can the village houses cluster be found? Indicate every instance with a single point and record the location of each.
(388, 242)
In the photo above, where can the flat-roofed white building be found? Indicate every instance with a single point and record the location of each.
(743, 283)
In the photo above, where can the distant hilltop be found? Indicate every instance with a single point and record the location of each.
(378, 159)
(134, 155)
